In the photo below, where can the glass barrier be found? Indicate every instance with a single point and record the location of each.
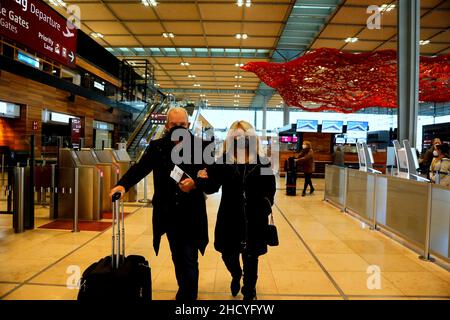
(360, 193)
(440, 222)
(335, 184)
(407, 209)
(417, 212)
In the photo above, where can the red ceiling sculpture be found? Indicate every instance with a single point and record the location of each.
(329, 79)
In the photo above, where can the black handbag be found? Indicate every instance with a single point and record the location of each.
(272, 233)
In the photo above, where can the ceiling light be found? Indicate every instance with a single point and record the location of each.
(156, 84)
(238, 64)
(238, 77)
(424, 42)
(351, 40)
(387, 7)
(241, 36)
(185, 63)
(58, 3)
(237, 96)
(191, 76)
(168, 35)
(97, 35)
(237, 85)
(240, 3)
(236, 101)
(196, 85)
(236, 105)
(248, 3)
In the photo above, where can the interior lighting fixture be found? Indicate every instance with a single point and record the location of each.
(58, 3)
(168, 35)
(424, 42)
(241, 36)
(151, 3)
(97, 35)
(240, 3)
(351, 40)
(387, 7)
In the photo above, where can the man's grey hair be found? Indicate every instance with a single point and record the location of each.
(177, 109)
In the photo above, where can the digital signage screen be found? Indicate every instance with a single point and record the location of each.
(357, 126)
(331, 126)
(285, 139)
(307, 125)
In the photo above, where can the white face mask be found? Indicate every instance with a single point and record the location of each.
(435, 153)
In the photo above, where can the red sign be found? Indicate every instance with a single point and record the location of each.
(34, 24)
(75, 132)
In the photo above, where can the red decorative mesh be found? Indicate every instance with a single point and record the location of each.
(329, 79)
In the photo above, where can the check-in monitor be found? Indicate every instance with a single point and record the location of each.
(307, 125)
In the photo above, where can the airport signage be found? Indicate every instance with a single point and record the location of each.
(35, 25)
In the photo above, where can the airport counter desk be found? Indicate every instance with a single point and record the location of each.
(414, 213)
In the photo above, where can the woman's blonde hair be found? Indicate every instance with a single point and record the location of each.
(249, 130)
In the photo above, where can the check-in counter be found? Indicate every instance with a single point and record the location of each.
(87, 157)
(123, 160)
(416, 212)
(78, 186)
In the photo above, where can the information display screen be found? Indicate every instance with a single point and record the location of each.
(331, 126)
(307, 125)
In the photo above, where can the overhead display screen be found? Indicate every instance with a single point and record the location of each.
(307, 125)
(332, 126)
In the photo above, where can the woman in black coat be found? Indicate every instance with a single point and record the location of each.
(248, 189)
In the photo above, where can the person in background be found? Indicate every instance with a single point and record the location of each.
(440, 166)
(427, 158)
(305, 161)
(338, 157)
(179, 208)
(248, 190)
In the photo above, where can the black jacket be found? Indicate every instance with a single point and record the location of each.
(259, 191)
(182, 214)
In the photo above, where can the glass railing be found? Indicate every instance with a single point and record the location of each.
(416, 212)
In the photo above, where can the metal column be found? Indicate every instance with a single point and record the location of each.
(408, 68)
(264, 115)
(286, 119)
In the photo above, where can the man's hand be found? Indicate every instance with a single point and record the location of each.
(203, 174)
(187, 185)
(117, 189)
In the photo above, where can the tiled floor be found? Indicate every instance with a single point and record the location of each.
(323, 254)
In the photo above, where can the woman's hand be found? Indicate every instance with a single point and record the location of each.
(203, 174)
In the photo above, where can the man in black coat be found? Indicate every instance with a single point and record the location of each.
(179, 209)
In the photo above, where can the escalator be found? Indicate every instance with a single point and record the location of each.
(146, 126)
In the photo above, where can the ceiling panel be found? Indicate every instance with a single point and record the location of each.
(180, 28)
(145, 27)
(130, 11)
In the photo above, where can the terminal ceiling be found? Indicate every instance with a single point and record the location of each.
(202, 60)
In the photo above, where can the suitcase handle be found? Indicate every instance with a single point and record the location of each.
(118, 231)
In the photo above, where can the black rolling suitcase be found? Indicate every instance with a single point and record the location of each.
(291, 177)
(117, 277)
